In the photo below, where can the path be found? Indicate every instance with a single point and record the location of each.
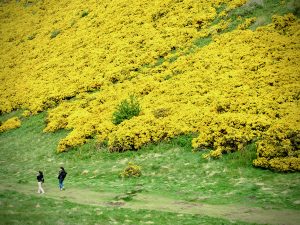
(159, 203)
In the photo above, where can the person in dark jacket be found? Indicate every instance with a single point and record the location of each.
(40, 179)
(61, 176)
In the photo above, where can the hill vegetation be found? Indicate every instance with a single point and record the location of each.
(164, 183)
(225, 72)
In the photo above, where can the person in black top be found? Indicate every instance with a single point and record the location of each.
(40, 179)
(61, 176)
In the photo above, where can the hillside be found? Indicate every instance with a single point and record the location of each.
(226, 72)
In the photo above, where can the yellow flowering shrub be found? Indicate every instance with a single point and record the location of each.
(9, 124)
(229, 132)
(282, 23)
(131, 170)
(247, 23)
(107, 45)
(82, 59)
(73, 139)
(279, 148)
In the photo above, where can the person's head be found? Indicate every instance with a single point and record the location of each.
(40, 172)
(62, 168)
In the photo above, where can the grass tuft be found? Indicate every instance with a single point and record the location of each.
(54, 33)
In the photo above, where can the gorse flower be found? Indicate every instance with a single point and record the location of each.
(235, 88)
(9, 124)
(131, 170)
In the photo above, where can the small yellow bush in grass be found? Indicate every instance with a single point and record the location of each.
(132, 170)
(9, 124)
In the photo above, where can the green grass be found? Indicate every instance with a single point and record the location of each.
(54, 33)
(170, 168)
(84, 13)
(24, 209)
(31, 37)
(7, 116)
(262, 11)
(202, 42)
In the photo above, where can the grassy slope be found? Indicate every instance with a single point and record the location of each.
(23, 209)
(169, 169)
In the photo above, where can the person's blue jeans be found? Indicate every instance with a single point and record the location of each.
(61, 184)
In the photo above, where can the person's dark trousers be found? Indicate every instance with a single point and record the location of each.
(61, 184)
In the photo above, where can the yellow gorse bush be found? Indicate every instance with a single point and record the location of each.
(246, 23)
(108, 45)
(131, 170)
(279, 148)
(9, 124)
(241, 87)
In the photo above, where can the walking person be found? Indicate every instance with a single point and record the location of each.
(40, 179)
(61, 176)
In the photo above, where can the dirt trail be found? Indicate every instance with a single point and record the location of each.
(159, 203)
